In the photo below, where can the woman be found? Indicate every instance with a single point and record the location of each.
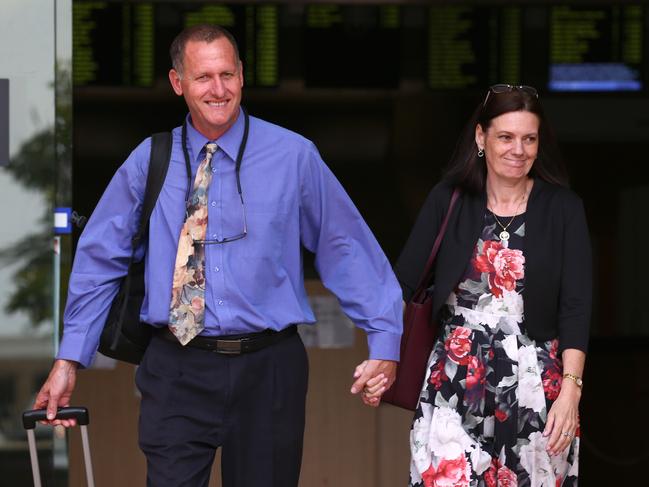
(499, 405)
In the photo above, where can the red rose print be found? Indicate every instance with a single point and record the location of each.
(484, 262)
(505, 266)
(559, 481)
(458, 345)
(506, 477)
(474, 372)
(490, 475)
(499, 475)
(509, 265)
(428, 476)
(501, 415)
(438, 375)
(552, 383)
(554, 348)
(449, 473)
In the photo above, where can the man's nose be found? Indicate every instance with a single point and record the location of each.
(218, 87)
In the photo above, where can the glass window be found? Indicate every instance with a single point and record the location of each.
(29, 189)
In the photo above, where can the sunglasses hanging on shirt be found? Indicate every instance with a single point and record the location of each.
(188, 167)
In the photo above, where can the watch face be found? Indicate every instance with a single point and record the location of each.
(577, 380)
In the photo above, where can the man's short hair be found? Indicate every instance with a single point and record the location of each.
(198, 33)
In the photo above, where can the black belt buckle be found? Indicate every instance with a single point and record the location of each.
(229, 347)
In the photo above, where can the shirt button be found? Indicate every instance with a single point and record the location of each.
(220, 302)
(214, 237)
(213, 169)
(216, 269)
(213, 203)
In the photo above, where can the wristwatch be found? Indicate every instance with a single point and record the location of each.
(577, 380)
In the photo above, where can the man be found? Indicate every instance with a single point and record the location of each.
(236, 272)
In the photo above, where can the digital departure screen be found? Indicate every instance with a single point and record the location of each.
(352, 46)
(471, 46)
(254, 26)
(596, 48)
(113, 43)
(126, 44)
(444, 47)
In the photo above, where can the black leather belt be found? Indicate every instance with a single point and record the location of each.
(232, 344)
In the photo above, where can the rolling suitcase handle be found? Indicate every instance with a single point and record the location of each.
(30, 418)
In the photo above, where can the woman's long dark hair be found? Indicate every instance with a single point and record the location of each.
(469, 172)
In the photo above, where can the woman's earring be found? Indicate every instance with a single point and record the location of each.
(480, 152)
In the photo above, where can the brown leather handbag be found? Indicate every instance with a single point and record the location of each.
(419, 333)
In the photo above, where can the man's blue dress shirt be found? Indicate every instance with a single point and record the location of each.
(291, 198)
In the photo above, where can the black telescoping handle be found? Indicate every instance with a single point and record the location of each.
(30, 418)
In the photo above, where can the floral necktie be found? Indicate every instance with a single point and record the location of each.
(187, 309)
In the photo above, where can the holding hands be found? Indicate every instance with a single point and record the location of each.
(373, 378)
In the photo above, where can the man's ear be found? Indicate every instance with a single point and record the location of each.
(174, 79)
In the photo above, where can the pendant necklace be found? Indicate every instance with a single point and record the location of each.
(504, 234)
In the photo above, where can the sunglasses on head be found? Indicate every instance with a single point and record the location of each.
(504, 88)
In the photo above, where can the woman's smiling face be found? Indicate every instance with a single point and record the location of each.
(510, 144)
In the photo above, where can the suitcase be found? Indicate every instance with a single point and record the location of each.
(30, 418)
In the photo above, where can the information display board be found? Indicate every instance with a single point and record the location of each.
(446, 46)
(112, 43)
(596, 48)
(471, 46)
(352, 46)
(126, 44)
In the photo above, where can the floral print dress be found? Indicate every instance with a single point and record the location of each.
(489, 386)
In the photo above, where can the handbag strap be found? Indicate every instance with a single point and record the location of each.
(426, 275)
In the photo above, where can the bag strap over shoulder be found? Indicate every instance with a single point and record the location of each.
(161, 144)
(158, 164)
(426, 275)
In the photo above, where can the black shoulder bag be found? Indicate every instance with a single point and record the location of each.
(124, 337)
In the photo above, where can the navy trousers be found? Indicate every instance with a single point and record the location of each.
(251, 405)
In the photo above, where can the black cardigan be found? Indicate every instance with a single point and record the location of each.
(558, 268)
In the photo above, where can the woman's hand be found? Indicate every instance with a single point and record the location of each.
(563, 418)
(373, 378)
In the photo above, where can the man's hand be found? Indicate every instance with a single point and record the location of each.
(374, 377)
(57, 390)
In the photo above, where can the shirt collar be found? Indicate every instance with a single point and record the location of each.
(228, 142)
